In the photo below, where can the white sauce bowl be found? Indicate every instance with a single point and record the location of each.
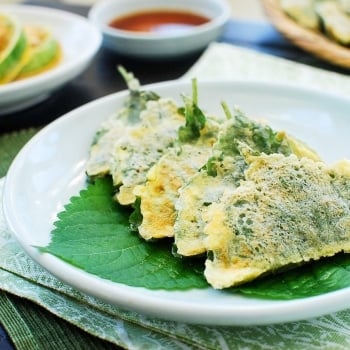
(160, 44)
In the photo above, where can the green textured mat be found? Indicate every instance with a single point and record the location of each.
(32, 327)
(28, 325)
(10, 144)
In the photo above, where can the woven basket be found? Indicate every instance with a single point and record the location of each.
(309, 40)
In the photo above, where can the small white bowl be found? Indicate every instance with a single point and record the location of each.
(157, 44)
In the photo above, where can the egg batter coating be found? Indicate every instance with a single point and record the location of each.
(160, 192)
(141, 146)
(287, 211)
(225, 170)
(193, 200)
(114, 127)
(193, 147)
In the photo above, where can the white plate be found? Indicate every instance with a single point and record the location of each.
(79, 40)
(50, 169)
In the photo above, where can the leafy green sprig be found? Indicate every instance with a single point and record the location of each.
(195, 118)
(138, 98)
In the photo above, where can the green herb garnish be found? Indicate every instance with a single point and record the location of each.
(138, 99)
(195, 118)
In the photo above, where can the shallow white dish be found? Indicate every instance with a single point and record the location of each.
(53, 163)
(160, 44)
(80, 41)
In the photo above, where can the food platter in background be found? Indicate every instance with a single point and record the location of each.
(312, 41)
(70, 31)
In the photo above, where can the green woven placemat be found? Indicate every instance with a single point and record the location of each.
(32, 327)
(28, 325)
(10, 144)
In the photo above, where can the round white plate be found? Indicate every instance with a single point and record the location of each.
(80, 41)
(50, 169)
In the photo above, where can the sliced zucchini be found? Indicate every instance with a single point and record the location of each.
(303, 12)
(44, 51)
(13, 48)
(336, 23)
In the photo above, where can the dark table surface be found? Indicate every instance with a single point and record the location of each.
(101, 78)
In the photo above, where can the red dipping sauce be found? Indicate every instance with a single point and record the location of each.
(158, 21)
